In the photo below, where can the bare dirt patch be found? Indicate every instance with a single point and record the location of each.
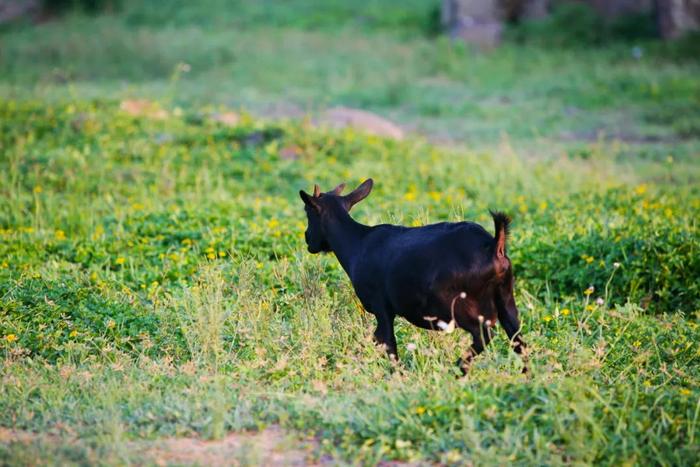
(269, 447)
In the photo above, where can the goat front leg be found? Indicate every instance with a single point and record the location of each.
(508, 317)
(481, 336)
(384, 335)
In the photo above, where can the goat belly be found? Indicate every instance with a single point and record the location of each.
(412, 297)
(429, 321)
(429, 292)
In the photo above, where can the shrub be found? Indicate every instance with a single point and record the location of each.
(575, 24)
(653, 240)
(89, 6)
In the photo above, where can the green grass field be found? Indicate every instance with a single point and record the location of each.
(155, 284)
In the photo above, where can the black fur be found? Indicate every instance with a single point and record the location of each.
(428, 275)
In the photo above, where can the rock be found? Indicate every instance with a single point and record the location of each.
(613, 9)
(227, 118)
(533, 9)
(13, 10)
(290, 152)
(676, 17)
(517, 10)
(143, 108)
(342, 117)
(484, 35)
(465, 13)
(475, 21)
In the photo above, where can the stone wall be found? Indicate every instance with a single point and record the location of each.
(481, 21)
(676, 17)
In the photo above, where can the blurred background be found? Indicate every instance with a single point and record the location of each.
(467, 71)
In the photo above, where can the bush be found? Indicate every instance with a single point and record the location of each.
(640, 248)
(55, 318)
(573, 24)
(88, 6)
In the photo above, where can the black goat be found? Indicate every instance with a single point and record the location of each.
(439, 276)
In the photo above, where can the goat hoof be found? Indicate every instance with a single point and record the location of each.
(463, 367)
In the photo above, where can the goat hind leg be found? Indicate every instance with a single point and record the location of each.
(481, 336)
(508, 317)
(384, 334)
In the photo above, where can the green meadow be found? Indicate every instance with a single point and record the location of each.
(154, 279)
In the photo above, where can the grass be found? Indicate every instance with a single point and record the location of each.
(153, 275)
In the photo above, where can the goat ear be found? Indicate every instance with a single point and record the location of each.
(309, 200)
(358, 193)
(339, 189)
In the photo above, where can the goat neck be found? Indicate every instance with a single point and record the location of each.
(345, 237)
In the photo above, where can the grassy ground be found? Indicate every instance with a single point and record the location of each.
(154, 281)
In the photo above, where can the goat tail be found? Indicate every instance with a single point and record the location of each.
(501, 223)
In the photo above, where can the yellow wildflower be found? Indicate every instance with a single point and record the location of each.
(401, 444)
(589, 290)
(547, 319)
(120, 260)
(685, 392)
(420, 410)
(98, 232)
(73, 333)
(565, 312)
(60, 235)
(409, 196)
(38, 189)
(641, 189)
(211, 255)
(11, 338)
(222, 254)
